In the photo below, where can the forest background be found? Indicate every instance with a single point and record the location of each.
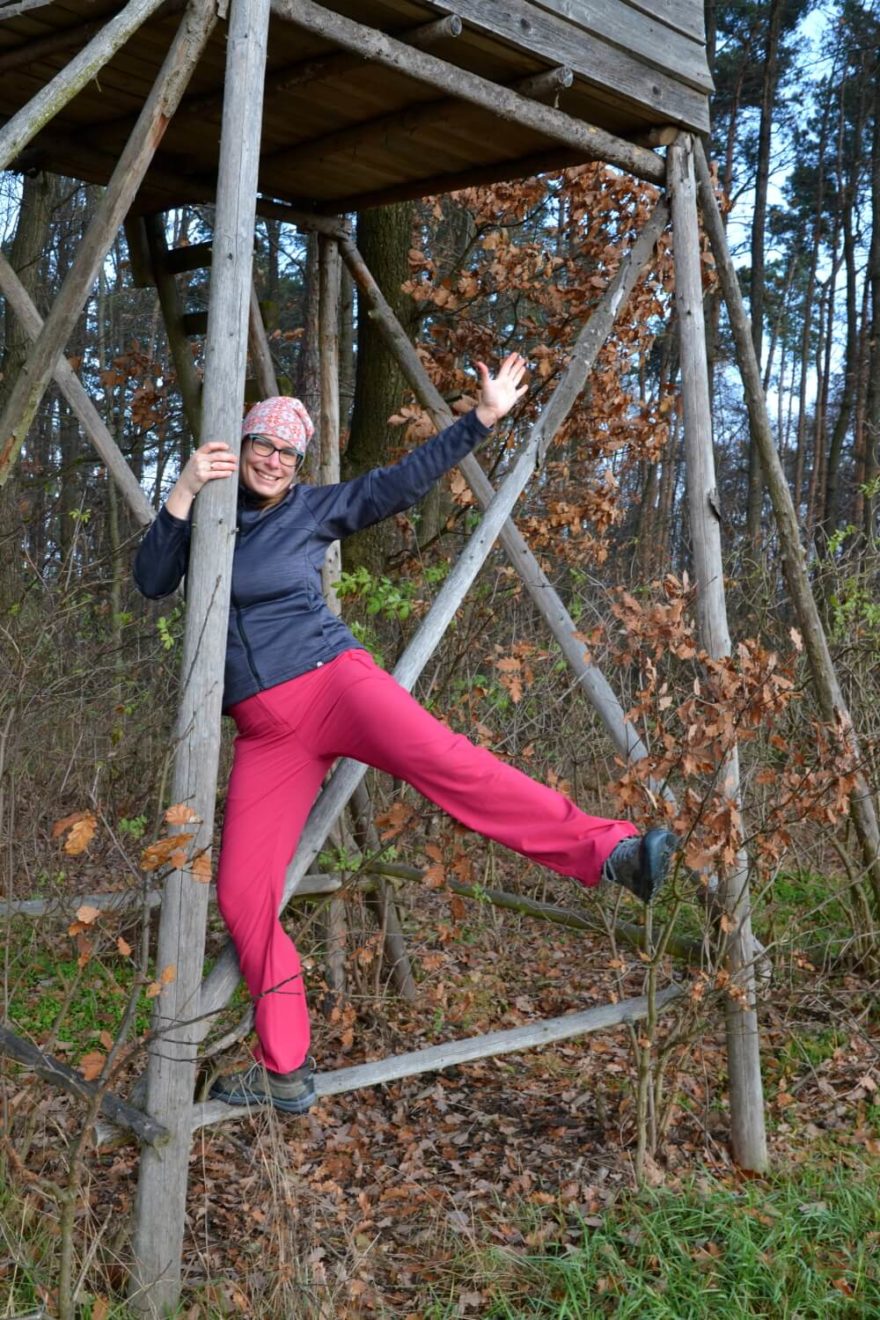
(605, 1185)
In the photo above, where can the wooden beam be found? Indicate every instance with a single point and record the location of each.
(592, 143)
(29, 388)
(314, 885)
(12, 8)
(639, 54)
(614, 72)
(31, 52)
(194, 256)
(223, 978)
(58, 1073)
(81, 405)
(171, 304)
(27, 122)
(259, 350)
(832, 702)
(161, 1194)
(543, 86)
(324, 68)
(748, 1136)
(629, 932)
(457, 1052)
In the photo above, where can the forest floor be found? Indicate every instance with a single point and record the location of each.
(500, 1188)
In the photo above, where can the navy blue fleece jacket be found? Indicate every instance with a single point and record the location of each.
(279, 625)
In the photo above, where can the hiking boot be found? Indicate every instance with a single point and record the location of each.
(641, 863)
(292, 1092)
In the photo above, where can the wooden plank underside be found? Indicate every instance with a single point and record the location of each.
(641, 34)
(306, 158)
(437, 1057)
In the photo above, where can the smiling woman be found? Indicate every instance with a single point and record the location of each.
(303, 692)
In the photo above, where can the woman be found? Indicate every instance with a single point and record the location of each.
(303, 692)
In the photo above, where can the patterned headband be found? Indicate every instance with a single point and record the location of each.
(282, 419)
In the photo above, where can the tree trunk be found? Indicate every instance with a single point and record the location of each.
(872, 401)
(384, 239)
(759, 226)
(38, 198)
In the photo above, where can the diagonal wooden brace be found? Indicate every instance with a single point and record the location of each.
(83, 409)
(545, 597)
(186, 48)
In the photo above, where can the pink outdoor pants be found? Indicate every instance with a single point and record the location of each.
(288, 738)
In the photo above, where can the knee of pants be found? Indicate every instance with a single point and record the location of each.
(247, 912)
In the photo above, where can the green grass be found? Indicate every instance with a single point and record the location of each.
(39, 984)
(803, 1246)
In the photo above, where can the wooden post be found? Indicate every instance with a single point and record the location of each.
(330, 280)
(25, 396)
(81, 405)
(832, 702)
(382, 899)
(221, 982)
(161, 1194)
(748, 1137)
(328, 371)
(27, 122)
(172, 314)
(335, 924)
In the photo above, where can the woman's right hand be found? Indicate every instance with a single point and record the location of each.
(209, 462)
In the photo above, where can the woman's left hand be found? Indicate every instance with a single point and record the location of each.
(499, 393)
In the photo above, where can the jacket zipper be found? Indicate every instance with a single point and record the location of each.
(247, 647)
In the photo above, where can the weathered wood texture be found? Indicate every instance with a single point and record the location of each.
(636, 936)
(456, 1052)
(161, 1193)
(635, 67)
(748, 1137)
(71, 79)
(260, 352)
(832, 702)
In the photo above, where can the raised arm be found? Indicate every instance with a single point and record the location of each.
(350, 506)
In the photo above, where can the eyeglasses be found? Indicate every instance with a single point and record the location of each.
(263, 446)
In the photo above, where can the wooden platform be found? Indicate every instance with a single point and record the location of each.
(340, 131)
